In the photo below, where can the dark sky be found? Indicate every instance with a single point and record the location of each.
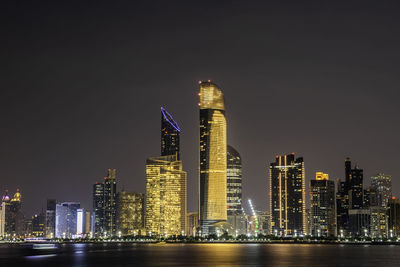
(82, 84)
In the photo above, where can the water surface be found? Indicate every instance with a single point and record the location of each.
(123, 254)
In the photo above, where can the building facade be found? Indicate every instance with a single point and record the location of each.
(381, 184)
(38, 228)
(287, 196)
(234, 182)
(322, 200)
(192, 222)
(130, 213)
(51, 218)
(169, 135)
(393, 214)
(213, 158)
(350, 196)
(66, 219)
(16, 222)
(104, 204)
(165, 196)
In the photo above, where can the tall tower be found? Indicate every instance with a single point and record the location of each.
(323, 215)
(287, 196)
(110, 194)
(51, 218)
(234, 182)
(213, 159)
(165, 196)
(381, 184)
(17, 218)
(169, 135)
(104, 204)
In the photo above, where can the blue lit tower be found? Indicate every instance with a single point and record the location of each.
(169, 135)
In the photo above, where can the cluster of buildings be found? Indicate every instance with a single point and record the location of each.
(351, 210)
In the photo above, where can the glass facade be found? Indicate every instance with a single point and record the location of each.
(169, 135)
(381, 184)
(287, 196)
(165, 196)
(66, 219)
(51, 218)
(130, 213)
(104, 204)
(234, 182)
(213, 158)
(323, 214)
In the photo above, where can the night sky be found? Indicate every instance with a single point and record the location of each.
(82, 85)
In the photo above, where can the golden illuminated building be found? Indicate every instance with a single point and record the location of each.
(213, 163)
(130, 213)
(287, 196)
(321, 176)
(165, 196)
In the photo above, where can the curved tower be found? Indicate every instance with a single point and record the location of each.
(213, 160)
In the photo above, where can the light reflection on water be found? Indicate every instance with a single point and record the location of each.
(123, 254)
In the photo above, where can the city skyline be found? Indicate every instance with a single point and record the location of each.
(68, 118)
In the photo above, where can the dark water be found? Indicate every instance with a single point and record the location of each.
(204, 255)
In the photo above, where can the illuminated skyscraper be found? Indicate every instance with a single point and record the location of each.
(287, 196)
(39, 225)
(51, 218)
(165, 196)
(356, 193)
(169, 135)
(393, 217)
(66, 219)
(104, 204)
(130, 213)
(234, 182)
(213, 158)
(381, 184)
(350, 196)
(5, 214)
(110, 194)
(323, 214)
(17, 217)
(98, 208)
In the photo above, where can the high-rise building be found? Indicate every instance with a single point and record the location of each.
(359, 222)
(5, 215)
(130, 213)
(169, 135)
(165, 196)
(378, 222)
(110, 194)
(287, 196)
(350, 196)
(393, 213)
(66, 219)
(16, 226)
(234, 181)
(213, 158)
(382, 185)
(38, 225)
(192, 222)
(88, 222)
(342, 208)
(104, 204)
(51, 218)
(356, 197)
(98, 208)
(323, 213)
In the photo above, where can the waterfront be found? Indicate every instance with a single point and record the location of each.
(130, 254)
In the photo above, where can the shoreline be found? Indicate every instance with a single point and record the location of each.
(291, 242)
